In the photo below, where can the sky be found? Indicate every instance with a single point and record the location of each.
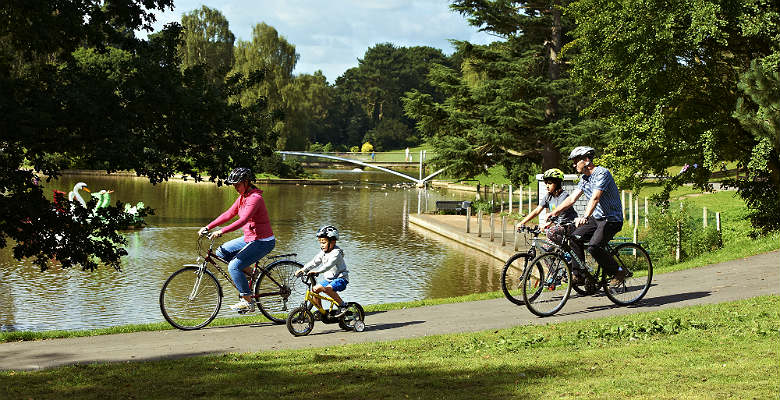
(332, 35)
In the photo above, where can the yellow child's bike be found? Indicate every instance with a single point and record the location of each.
(300, 321)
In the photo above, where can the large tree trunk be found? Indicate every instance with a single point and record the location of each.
(550, 154)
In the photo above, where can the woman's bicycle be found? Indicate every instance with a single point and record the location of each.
(300, 321)
(192, 296)
(547, 281)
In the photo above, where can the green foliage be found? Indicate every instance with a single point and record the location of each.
(389, 133)
(665, 79)
(118, 103)
(367, 147)
(661, 239)
(207, 41)
(275, 165)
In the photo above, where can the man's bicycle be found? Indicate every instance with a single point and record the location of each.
(300, 321)
(547, 281)
(192, 296)
(515, 266)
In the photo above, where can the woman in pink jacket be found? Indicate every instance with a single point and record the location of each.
(258, 238)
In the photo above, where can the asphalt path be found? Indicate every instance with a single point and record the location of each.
(717, 283)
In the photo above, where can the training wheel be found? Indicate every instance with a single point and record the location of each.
(360, 326)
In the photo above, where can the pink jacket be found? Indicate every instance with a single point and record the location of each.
(252, 215)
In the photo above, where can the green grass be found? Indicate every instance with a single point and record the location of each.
(718, 351)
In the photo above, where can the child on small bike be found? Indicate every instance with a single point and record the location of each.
(330, 262)
(553, 179)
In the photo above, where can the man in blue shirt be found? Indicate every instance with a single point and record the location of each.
(603, 216)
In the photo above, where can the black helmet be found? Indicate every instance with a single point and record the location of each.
(328, 231)
(240, 174)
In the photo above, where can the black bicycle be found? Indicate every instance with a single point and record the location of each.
(547, 280)
(192, 296)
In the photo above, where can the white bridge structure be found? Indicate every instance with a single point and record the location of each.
(420, 182)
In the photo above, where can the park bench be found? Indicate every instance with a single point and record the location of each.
(452, 205)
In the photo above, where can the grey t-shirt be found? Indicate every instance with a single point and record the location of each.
(551, 202)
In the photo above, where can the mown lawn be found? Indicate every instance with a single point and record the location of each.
(728, 350)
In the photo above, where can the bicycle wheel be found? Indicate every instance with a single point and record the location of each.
(512, 277)
(634, 259)
(277, 288)
(546, 284)
(189, 301)
(300, 322)
(354, 313)
(589, 286)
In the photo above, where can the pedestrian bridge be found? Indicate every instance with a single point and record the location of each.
(420, 182)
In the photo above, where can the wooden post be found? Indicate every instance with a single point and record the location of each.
(510, 199)
(514, 236)
(646, 213)
(630, 209)
(530, 194)
(636, 212)
(717, 226)
(636, 236)
(468, 220)
(492, 228)
(479, 223)
(500, 199)
(679, 244)
(503, 230)
(623, 203)
(704, 217)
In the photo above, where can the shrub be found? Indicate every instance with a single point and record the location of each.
(662, 234)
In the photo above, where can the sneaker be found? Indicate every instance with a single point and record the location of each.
(243, 306)
(342, 310)
(618, 279)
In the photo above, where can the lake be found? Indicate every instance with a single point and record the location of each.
(389, 260)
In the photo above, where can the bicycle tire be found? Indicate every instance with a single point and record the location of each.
(183, 310)
(512, 277)
(277, 287)
(634, 259)
(354, 313)
(300, 321)
(546, 284)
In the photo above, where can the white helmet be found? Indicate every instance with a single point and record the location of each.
(582, 151)
(328, 231)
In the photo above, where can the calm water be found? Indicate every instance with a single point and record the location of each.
(389, 260)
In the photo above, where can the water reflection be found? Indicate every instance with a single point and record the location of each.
(389, 261)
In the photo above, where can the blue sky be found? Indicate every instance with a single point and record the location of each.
(332, 35)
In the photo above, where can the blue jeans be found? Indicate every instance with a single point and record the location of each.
(241, 255)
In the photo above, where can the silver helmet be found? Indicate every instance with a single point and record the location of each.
(328, 231)
(582, 151)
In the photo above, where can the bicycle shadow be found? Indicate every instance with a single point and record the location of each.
(372, 327)
(645, 302)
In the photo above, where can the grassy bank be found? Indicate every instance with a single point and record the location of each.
(727, 350)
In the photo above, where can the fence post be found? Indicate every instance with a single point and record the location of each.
(636, 212)
(503, 230)
(646, 213)
(679, 244)
(514, 236)
(717, 226)
(510, 199)
(704, 217)
(479, 223)
(630, 209)
(492, 227)
(520, 200)
(530, 194)
(636, 236)
(468, 220)
(623, 203)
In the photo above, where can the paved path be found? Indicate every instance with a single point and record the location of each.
(733, 280)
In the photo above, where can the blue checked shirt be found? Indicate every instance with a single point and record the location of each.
(609, 205)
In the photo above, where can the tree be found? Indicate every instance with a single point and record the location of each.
(207, 41)
(276, 57)
(665, 77)
(510, 102)
(79, 87)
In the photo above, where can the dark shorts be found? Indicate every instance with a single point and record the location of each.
(337, 284)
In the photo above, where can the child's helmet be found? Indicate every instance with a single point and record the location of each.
(553, 173)
(328, 231)
(239, 174)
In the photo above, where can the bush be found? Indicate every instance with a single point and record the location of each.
(662, 234)
(367, 148)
